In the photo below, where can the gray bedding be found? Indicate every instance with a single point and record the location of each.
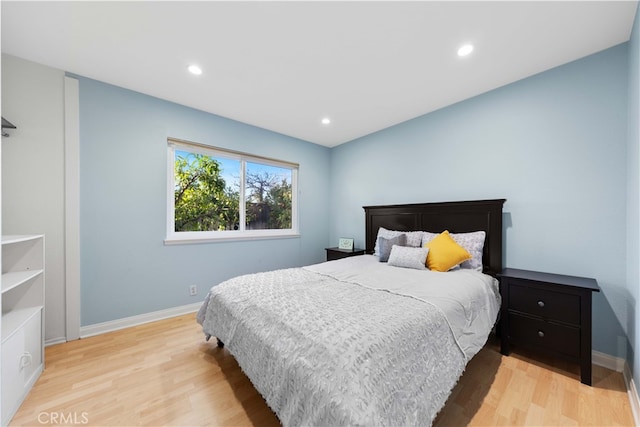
(324, 351)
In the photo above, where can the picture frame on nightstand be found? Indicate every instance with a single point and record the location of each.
(345, 243)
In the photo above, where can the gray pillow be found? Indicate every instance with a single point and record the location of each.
(408, 257)
(386, 244)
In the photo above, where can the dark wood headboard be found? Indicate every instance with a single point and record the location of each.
(457, 217)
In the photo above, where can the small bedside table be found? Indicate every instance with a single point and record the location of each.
(337, 253)
(550, 313)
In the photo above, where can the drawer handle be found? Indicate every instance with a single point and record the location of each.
(25, 360)
(540, 303)
(541, 334)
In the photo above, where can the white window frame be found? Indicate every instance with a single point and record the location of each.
(185, 237)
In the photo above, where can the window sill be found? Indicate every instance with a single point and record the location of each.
(198, 238)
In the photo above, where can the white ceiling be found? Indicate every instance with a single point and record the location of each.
(284, 66)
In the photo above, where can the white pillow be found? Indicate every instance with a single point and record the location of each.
(414, 238)
(473, 242)
(407, 257)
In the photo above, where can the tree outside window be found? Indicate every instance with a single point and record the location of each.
(268, 197)
(209, 184)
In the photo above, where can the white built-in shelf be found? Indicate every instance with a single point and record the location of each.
(22, 296)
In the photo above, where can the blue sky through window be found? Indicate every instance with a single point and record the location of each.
(231, 169)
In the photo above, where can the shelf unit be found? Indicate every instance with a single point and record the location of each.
(22, 340)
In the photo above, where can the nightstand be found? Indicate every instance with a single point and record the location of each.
(549, 313)
(337, 253)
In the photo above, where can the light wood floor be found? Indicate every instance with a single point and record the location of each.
(163, 373)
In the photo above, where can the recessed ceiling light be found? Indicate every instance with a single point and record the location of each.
(194, 69)
(465, 50)
(326, 121)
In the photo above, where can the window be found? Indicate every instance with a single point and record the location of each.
(220, 194)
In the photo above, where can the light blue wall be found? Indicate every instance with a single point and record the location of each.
(553, 145)
(126, 269)
(633, 198)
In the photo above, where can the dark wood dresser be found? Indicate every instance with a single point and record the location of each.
(337, 253)
(549, 313)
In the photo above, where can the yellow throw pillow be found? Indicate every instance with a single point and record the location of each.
(445, 253)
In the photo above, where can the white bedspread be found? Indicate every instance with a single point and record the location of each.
(333, 344)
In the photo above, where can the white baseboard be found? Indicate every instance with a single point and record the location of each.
(620, 365)
(632, 392)
(127, 322)
(608, 361)
(54, 341)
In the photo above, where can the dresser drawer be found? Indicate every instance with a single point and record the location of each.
(538, 333)
(544, 303)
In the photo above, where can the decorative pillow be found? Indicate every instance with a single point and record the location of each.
(473, 242)
(387, 244)
(414, 238)
(407, 257)
(445, 253)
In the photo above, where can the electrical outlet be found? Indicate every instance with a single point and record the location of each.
(193, 290)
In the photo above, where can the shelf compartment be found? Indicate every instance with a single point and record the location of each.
(17, 278)
(22, 253)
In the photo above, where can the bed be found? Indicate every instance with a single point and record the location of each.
(357, 341)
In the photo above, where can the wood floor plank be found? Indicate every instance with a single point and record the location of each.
(165, 374)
